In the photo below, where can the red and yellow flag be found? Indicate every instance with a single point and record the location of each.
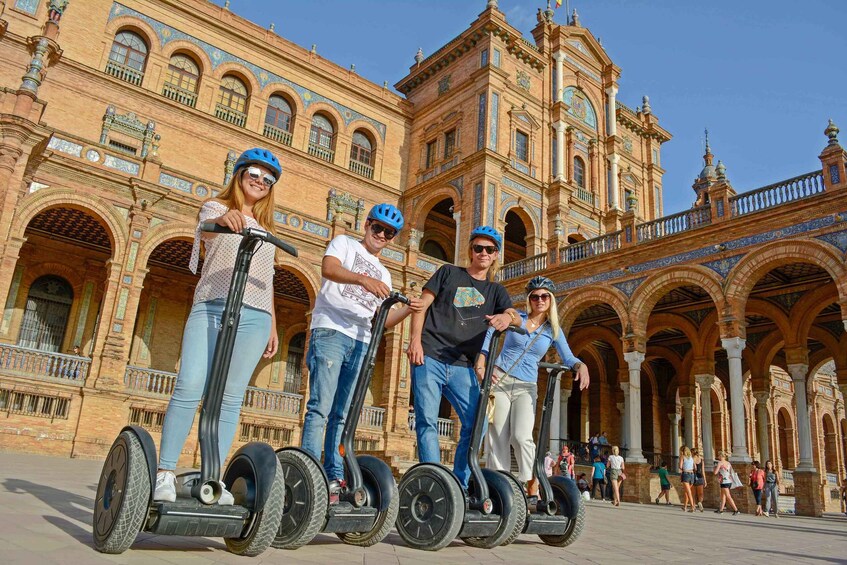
(558, 3)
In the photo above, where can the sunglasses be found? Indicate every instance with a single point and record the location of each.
(377, 229)
(255, 174)
(490, 249)
(544, 296)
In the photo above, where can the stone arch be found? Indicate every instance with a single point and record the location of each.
(572, 304)
(773, 313)
(806, 309)
(526, 214)
(160, 234)
(651, 291)
(284, 91)
(786, 430)
(369, 130)
(240, 72)
(420, 209)
(197, 55)
(659, 322)
(134, 25)
(582, 338)
(751, 268)
(33, 204)
(513, 248)
(830, 442)
(34, 271)
(308, 274)
(330, 113)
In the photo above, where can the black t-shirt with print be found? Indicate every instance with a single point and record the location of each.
(455, 324)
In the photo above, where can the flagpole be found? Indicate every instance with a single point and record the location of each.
(568, 12)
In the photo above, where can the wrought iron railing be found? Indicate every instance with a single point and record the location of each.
(674, 224)
(43, 365)
(445, 426)
(372, 417)
(523, 267)
(362, 169)
(655, 460)
(181, 95)
(278, 135)
(591, 247)
(321, 152)
(272, 401)
(584, 452)
(149, 382)
(125, 73)
(227, 114)
(776, 194)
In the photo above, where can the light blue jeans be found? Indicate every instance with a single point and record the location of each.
(198, 348)
(459, 385)
(334, 361)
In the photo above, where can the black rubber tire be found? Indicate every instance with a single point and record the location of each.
(520, 501)
(263, 524)
(306, 500)
(123, 495)
(512, 518)
(385, 519)
(574, 527)
(432, 507)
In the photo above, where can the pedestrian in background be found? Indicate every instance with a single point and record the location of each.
(724, 470)
(686, 470)
(664, 483)
(599, 477)
(616, 468)
(699, 478)
(757, 483)
(771, 490)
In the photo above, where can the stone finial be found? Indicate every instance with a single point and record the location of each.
(708, 149)
(271, 27)
(645, 105)
(352, 67)
(548, 13)
(314, 49)
(419, 57)
(492, 5)
(575, 18)
(226, 5)
(831, 132)
(721, 170)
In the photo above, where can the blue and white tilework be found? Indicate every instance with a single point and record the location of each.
(122, 165)
(65, 146)
(628, 287)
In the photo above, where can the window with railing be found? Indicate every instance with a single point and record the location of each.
(449, 143)
(294, 363)
(322, 138)
(579, 172)
(431, 148)
(361, 155)
(33, 404)
(278, 120)
(181, 80)
(48, 306)
(232, 101)
(127, 57)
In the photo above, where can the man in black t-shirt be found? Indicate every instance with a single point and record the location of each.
(459, 305)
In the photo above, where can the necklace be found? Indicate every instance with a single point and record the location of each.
(534, 323)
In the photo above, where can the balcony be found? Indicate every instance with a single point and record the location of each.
(445, 426)
(124, 73)
(321, 152)
(181, 95)
(591, 247)
(372, 417)
(227, 114)
(524, 266)
(586, 196)
(674, 224)
(777, 194)
(278, 135)
(362, 169)
(43, 365)
(272, 402)
(148, 382)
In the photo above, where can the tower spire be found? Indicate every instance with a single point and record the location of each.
(708, 157)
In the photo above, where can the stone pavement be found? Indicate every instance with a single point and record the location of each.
(45, 516)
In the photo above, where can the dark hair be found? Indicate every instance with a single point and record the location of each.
(597, 458)
(664, 464)
(756, 464)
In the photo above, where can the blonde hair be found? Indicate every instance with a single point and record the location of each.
(552, 314)
(233, 198)
(615, 450)
(495, 264)
(685, 452)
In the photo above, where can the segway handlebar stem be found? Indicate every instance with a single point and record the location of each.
(545, 491)
(261, 234)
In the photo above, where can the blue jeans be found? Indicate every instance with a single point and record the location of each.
(459, 385)
(198, 348)
(334, 361)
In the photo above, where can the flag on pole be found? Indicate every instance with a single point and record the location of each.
(558, 3)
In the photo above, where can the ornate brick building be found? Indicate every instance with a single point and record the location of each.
(119, 119)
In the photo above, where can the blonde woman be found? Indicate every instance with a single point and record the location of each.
(616, 469)
(515, 380)
(724, 471)
(686, 472)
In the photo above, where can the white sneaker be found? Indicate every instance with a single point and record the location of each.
(226, 498)
(767, 514)
(165, 487)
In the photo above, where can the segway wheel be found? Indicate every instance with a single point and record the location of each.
(123, 495)
(306, 500)
(512, 515)
(520, 500)
(263, 524)
(376, 496)
(575, 525)
(432, 507)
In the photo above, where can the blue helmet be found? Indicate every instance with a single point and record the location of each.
(388, 215)
(490, 233)
(540, 282)
(259, 156)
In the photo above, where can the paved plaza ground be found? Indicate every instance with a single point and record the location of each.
(45, 517)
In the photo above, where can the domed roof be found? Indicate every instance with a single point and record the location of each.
(708, 172)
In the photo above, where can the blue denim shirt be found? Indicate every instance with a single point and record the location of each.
(527, 368)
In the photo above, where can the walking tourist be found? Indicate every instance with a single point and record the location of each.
(771, 490)
(566, 462)
(446, 337)
(598, 478)
(354, 285)
(757, 483)
(664, 484)
(686, 472)
(549, 464)
(246, 202)
(699, 479)
(724, 471)
(616, 474)
(515, 380)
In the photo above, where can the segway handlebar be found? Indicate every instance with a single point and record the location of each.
(554, 366)
(251, 232)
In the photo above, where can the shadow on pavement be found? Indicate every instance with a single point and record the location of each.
(73, 506)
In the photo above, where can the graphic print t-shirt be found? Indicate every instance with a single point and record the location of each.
(349, 308)
(455, 324)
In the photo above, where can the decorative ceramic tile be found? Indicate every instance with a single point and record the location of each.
(280, 217)
(628, 287)
(175, 182)
(122, 165)
(12, 297)
(117, 328)
(725, 265)
(394, 255)
(35, 186)
(123, 297)
(580, 107)
(133, 254)
(493, 121)
(838, 239)
(314, 228)
(156, 221)
(583, 68)
(28, 6)
(127, 279)
(87, 293)
(697, 316)
(477, 204)
(201, 191)
(426, 265)
(492, 190)
(92, 156)
(136, 234)
(578, 45)
(65, 146)
(480, 132)
(583, 219)
(147, 333)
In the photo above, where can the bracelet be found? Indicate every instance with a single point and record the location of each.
(576, 366)
(514, 318)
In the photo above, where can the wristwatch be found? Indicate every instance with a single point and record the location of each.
(576, 366)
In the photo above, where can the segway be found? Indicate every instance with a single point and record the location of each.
(434, 509)
(124, 503)
(367, 505)
(558, 516)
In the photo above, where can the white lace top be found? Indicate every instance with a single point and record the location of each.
(221, 250)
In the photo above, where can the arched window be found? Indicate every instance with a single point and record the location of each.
(294, 363)
(232, 101)
(278, 120)
(48, 306)
(322, 138)
(127, 57)
(181, 80)
(579, 172)
(433, 249)
(361, 155)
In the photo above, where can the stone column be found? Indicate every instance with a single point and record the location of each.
(734, 346)
(622, 409)
(612, 126)
(560, 59)
(762, 399)
(563, 413)
(614, 199)
(705, 382)
(633, 410)
(555, 417)
(457, 217)
(559, 173)
(674, 418)
(687, 403)
(798, 372)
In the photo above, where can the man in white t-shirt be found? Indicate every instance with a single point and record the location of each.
(354, 285)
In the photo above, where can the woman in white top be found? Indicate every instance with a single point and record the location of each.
(724, 470)
(248, 201)
(616, 469)
(686, 471)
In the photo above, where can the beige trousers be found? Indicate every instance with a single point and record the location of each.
(514, 418)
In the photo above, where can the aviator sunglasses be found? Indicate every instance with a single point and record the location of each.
(544, 296)
(490, 249)
(377, 229)
(255, 173)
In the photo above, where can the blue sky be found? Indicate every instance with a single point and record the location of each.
(763, 75)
